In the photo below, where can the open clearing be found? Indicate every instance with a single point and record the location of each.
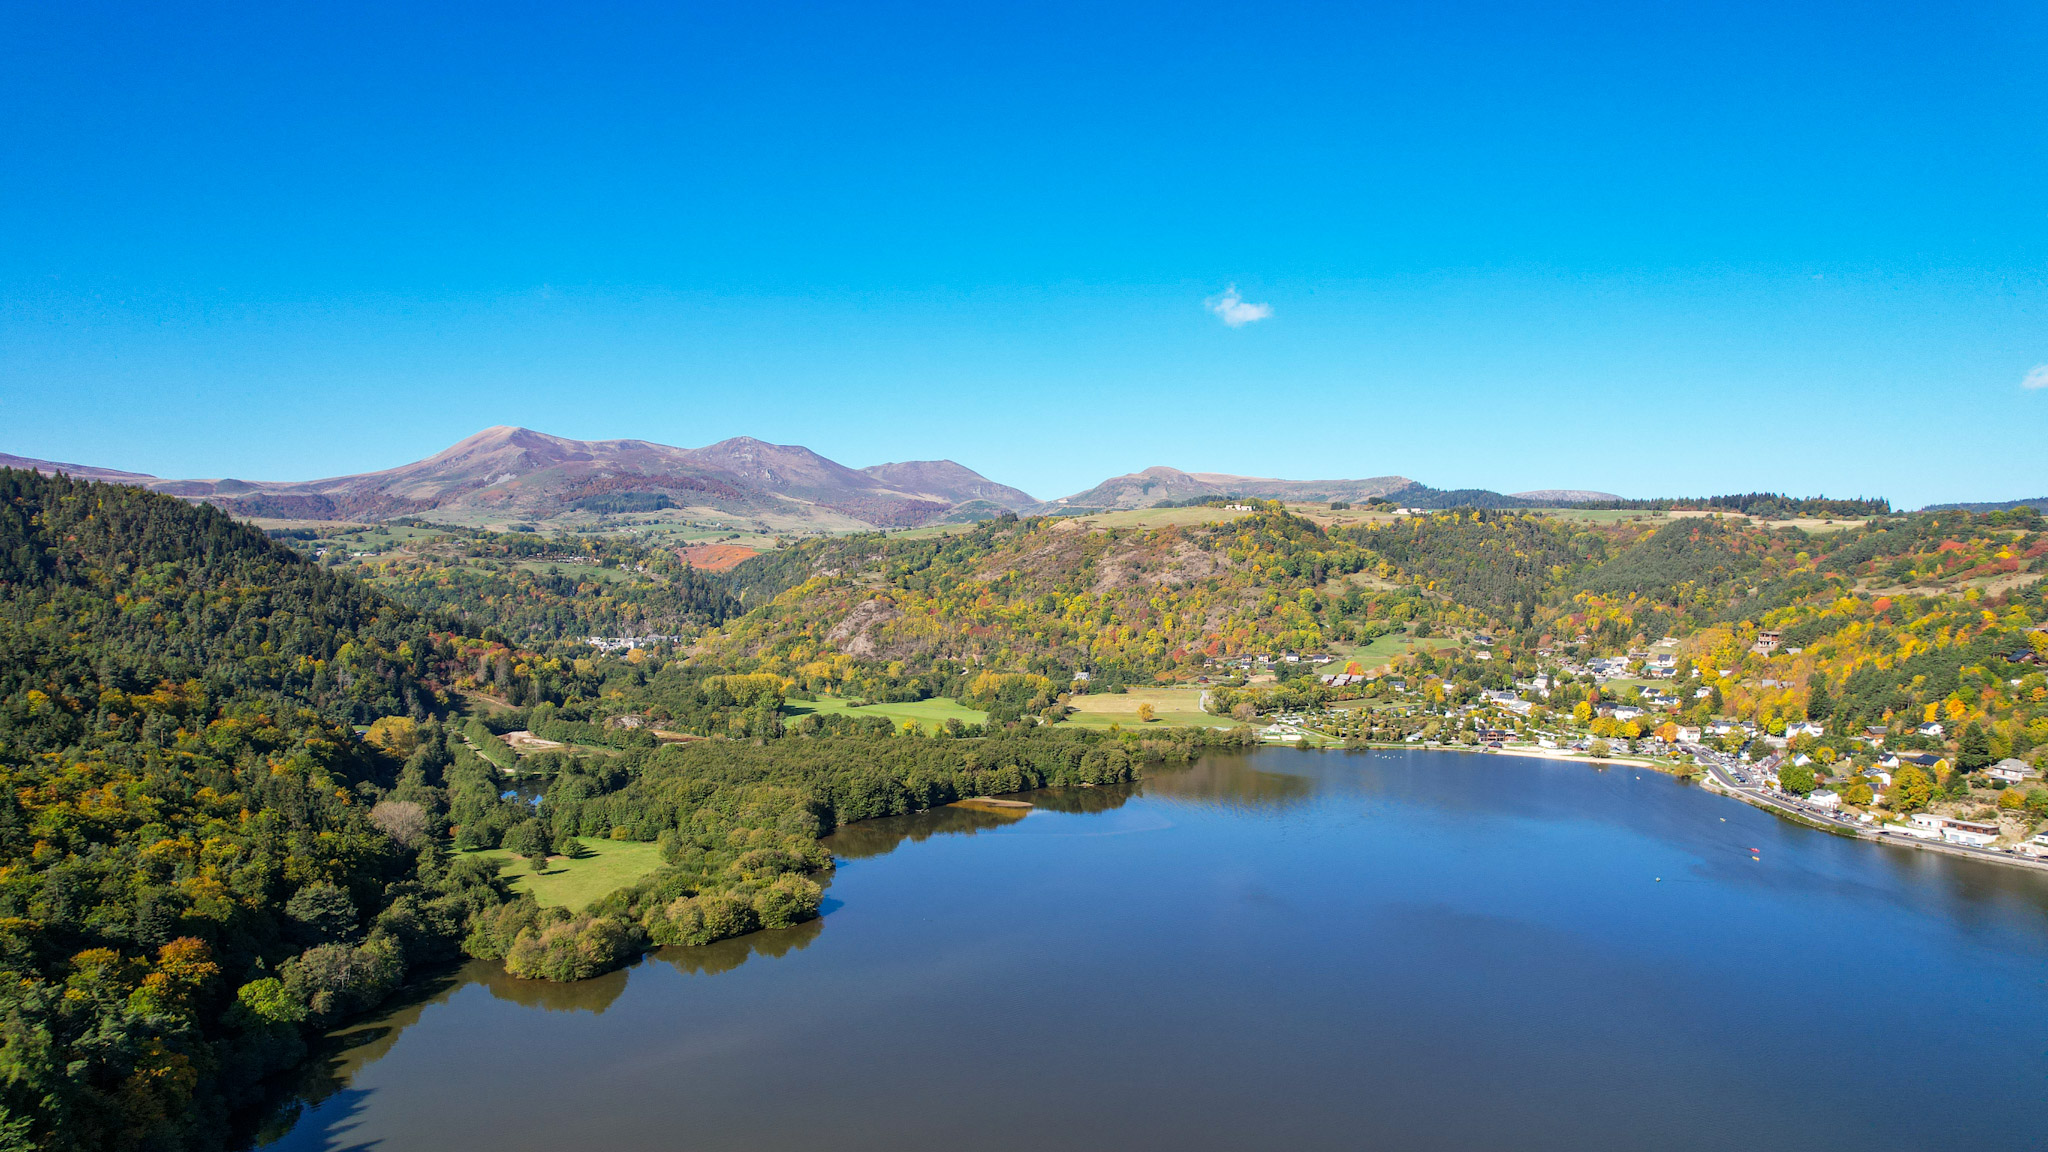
(1151, 517)
(608, 866)
(1171, 706)
(1384, 649)
(716, 557)
(1656, 518)
(578, 571)
(1352, 517)
(926, 713)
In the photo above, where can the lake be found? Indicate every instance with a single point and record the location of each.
(1279, 948)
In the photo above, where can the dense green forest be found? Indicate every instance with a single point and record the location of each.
(193, 871)
(529, 589)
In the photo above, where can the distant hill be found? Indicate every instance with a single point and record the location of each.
(1563, 496)
(75, 471)
(1161, 484)
(505, 474)
(1158, 485)
(2038, 504)
(945, 480)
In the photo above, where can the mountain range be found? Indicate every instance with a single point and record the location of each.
(504, 475)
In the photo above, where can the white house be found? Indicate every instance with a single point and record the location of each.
(1969, 832)
(1688, 734)
(1923, 825)
(1826, 800)
(1928, 826)
(1931, 728)
(1806, 728)
(2010, 770)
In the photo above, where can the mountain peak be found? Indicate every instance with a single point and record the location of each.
(949, 481)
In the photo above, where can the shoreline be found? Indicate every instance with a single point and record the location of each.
(1708, 781)
(1874, 835)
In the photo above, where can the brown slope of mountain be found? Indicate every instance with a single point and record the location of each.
(1147, 488)
(506, 473)
(1138, 490)
(513, 470)
(946, 480)
(75, 471)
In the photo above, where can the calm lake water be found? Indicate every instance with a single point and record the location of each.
(1399, 950)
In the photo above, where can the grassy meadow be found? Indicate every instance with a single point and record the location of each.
(1171, 707)
(580, 571)
(1382, 649)
(607, 866)
(925, 713)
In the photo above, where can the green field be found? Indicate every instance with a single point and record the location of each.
(1172, 707)
(927, 713)
(579, 571)
(378, 539)
(609, 866)
(1382, 649)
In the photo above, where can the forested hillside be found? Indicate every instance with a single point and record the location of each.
(204, 863)
(1041, 595)
(529, 589)
(192, 864)
(1879, 620)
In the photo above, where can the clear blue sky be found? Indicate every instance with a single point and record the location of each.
(1648, 248)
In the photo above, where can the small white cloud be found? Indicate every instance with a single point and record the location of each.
(2037, 377)
(1233, 310)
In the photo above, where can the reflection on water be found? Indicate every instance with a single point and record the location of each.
(323, 1080)
(866, 838)
(1082, 801)
(1227, 779)
(346, 1051)
(593, 995)
(532, 788)
(726, 955)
